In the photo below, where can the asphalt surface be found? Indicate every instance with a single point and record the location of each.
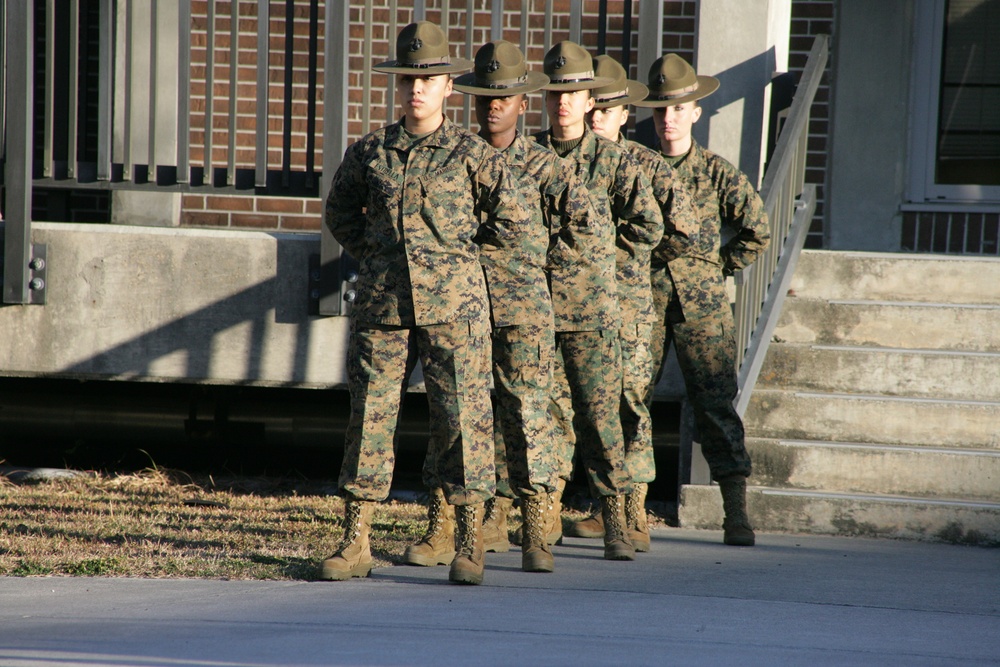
(791, 600)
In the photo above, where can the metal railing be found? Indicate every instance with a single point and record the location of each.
(115, 102)
(790, 203)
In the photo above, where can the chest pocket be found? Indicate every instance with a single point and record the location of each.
(384, 189)
(448, 196)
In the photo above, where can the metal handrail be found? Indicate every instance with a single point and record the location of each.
(790, 204)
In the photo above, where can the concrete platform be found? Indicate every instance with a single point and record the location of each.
(791, 600)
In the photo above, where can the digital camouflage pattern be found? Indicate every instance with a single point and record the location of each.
(585, 296)
(456, 362)
(409, 212)
(692, 305)
(636, 301)
(515, 273)
(414, 213)
(633, 260)
(524, 346)
(522, 377)
(589, 365)
(588, 345)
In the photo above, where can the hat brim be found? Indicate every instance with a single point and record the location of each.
(467, 84)
(636, 92)
(456, 66)
(573, 86)
(706, 86)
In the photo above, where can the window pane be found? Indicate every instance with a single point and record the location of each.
(969, 120)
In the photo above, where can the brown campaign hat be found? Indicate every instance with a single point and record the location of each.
(500, 71)
(422, 48)
(570, 68)
(673, 81)
(621, 91)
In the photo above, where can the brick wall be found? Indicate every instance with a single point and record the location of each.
(372, 37)
(249, 211)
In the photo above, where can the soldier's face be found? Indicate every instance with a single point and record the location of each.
(674, 123)
(422, 97)
(608, 122)
(498, 115)
(568, 110)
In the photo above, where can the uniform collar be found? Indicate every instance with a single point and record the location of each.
(517, 152)
(586, 151)
(445, 136)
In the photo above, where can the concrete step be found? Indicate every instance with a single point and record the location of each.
(850, 467)
(855, 515)
(894, 324)
(824, 274)
(873, 419)
(953, 375)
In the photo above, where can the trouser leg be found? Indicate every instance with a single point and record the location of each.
(593, 368)
(375, 374)
(561, 414)
(456, 362)
(706, 352)
(522, 371)
(637, 430)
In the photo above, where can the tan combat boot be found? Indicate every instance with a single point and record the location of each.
(616, 543)
(553, 524)
(535, 553)
(736, 527)
(635, 517)
(353, 557)
(467, 568)
(592, 526)
(495, 535)
(437, 546)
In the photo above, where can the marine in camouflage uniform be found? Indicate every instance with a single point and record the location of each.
(523, 335)
(609, 116)
(688, 276)
(585, 297)
(414, 202)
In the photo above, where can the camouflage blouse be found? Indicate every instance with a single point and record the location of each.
(727, 206)
(415, 213)
(625, 212)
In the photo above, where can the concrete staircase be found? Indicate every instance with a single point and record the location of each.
(877, 410)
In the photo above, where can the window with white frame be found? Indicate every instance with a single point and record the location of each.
(956, 99)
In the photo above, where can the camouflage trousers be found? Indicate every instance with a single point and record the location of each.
(706, 353)
(586, 395)
(526, 462)
(637, 427)
(455, 358)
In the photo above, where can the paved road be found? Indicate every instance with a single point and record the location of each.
(792, 600)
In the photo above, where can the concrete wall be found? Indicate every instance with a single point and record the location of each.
(175, 304)
(742, 44)
(868, 137)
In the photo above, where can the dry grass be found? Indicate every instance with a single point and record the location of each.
(161, 524)
(167, 524)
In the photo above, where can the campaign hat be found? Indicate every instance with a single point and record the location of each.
(422, 49)
(570, 68)
(500, 70)
(672, 81)
(621, 91)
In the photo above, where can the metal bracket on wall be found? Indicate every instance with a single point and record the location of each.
(339, 277)
(37, 273)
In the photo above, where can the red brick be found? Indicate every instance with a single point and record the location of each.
(252, 221)
(217, 203)
(279, 205)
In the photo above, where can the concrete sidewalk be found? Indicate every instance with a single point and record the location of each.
(792, 600)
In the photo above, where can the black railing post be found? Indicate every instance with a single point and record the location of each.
(19, 285)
